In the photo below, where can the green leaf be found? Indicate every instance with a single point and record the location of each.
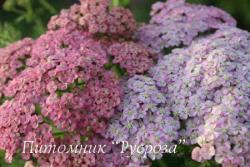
(120, 2)
(56, 132)
(8, 34)
(3, 99)
(46, 5)
(118, 70)
(77, 84)
(9, 5)
(17, 161)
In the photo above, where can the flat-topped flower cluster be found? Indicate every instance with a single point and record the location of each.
(66, 82)
(175, 24)
(208, 87)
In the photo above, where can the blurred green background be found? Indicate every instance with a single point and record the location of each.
(28, 18)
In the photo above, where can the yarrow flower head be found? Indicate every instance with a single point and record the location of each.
(18, 123)
(208, 86)
(134, 58)
(13, 61)
(96, 17)
(91, 158)
(144, 118)
(59, 82)
(176, 23)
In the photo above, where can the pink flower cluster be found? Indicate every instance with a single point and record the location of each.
(59, 82)
(111, 157)
(13, 61)
(135, 58)
(96, 17)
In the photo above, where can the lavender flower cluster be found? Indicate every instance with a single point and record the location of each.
(221, 98)
(145, 117)
(176, 23)
(87, 80)
(205, 87)
(208, 86)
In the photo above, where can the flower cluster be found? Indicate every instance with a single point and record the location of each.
(13, 61)
(17, 123)
(111, 158)
(59, 81)
(135, 58)
(176, 23)
(208, 87)
(144, 117)
(62, 81)
(96, 17)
